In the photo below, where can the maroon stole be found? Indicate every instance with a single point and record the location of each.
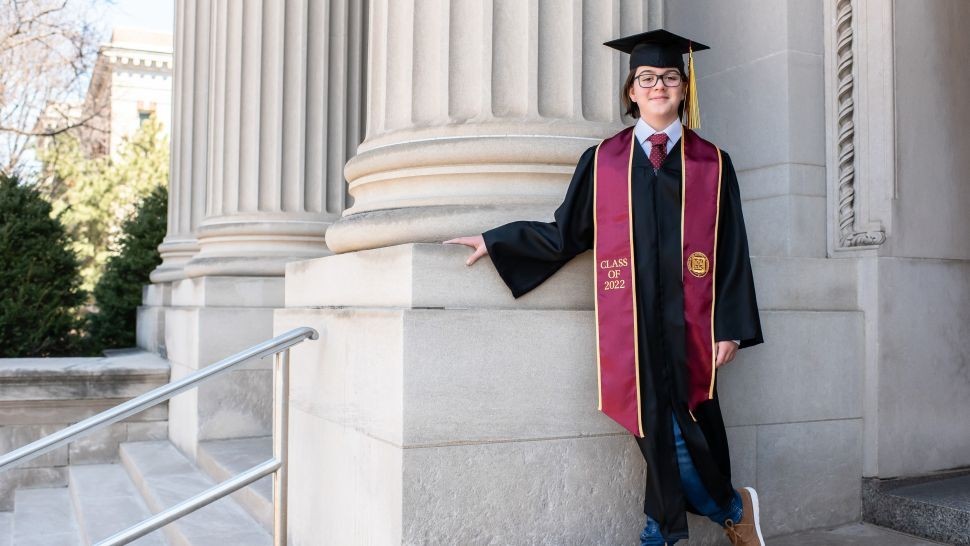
(617, 358)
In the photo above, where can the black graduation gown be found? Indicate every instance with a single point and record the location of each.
(526, 253)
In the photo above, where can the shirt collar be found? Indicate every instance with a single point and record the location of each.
(644, 131)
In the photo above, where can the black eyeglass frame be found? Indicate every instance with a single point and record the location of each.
(672, 73)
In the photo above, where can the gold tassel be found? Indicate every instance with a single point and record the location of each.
(692, 110)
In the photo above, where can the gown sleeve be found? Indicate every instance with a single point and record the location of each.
(736, 306)
(526, 253)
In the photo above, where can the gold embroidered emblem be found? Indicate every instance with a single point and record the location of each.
(698, 264)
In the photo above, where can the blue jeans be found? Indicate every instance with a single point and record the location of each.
(696, 494)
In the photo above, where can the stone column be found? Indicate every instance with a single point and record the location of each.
(268, 149)
(477, 113)
(188, 138)
(188, 164)
(280, 122)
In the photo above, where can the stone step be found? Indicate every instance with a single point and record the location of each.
(40, 396)
(6, 528)
(853, 534)
(44, 517)
(936, 507)
(165, 477)
(223, 459)
(105, 502)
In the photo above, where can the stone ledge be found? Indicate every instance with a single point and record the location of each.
(119, 363)
(430, 275)
(121, 375)
(426, 275)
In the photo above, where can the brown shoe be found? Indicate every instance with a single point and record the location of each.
(746, 532)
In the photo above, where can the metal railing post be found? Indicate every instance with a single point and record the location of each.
(281, 411)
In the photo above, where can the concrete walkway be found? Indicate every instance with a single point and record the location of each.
(855, 534)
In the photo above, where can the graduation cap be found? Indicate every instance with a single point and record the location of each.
(664, 49)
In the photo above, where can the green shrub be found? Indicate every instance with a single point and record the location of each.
(118, 292)
(39, 279)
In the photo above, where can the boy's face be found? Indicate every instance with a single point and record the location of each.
(660, 101)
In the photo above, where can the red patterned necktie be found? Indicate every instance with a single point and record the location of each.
(658, 152)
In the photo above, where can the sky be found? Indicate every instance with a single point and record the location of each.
(147, 14)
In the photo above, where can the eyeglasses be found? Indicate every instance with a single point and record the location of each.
(671, 79)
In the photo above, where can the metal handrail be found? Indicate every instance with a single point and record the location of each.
(279, 347)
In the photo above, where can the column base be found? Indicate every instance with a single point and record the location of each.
(384, 228)
(175, 254)
(436, 409)
(434, 183)
(256, 245)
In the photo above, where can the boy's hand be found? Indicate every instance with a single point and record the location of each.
(725, 352)
(477, 242)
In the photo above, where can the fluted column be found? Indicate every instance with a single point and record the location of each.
(188, 138)
(478, 111)
(284, 74)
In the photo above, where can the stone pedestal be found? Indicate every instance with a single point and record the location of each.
(436, 408)
(210, 319)
(150, 317)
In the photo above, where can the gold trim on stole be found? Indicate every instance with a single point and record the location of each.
(683, 195)
(633, 282)
(596, 303)
(717, 219)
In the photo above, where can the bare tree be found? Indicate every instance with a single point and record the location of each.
(47, 50)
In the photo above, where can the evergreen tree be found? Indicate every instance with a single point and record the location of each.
(118, 292)
(94, 195)
(39, 278)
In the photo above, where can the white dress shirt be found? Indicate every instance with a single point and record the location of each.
(644, 131)
(674, 131)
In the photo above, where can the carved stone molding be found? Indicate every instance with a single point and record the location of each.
(860, 119)
(476, 113)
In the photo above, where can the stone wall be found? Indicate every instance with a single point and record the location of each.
(933, 112)
(450, 415)
(921, 280)
(40, 396)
